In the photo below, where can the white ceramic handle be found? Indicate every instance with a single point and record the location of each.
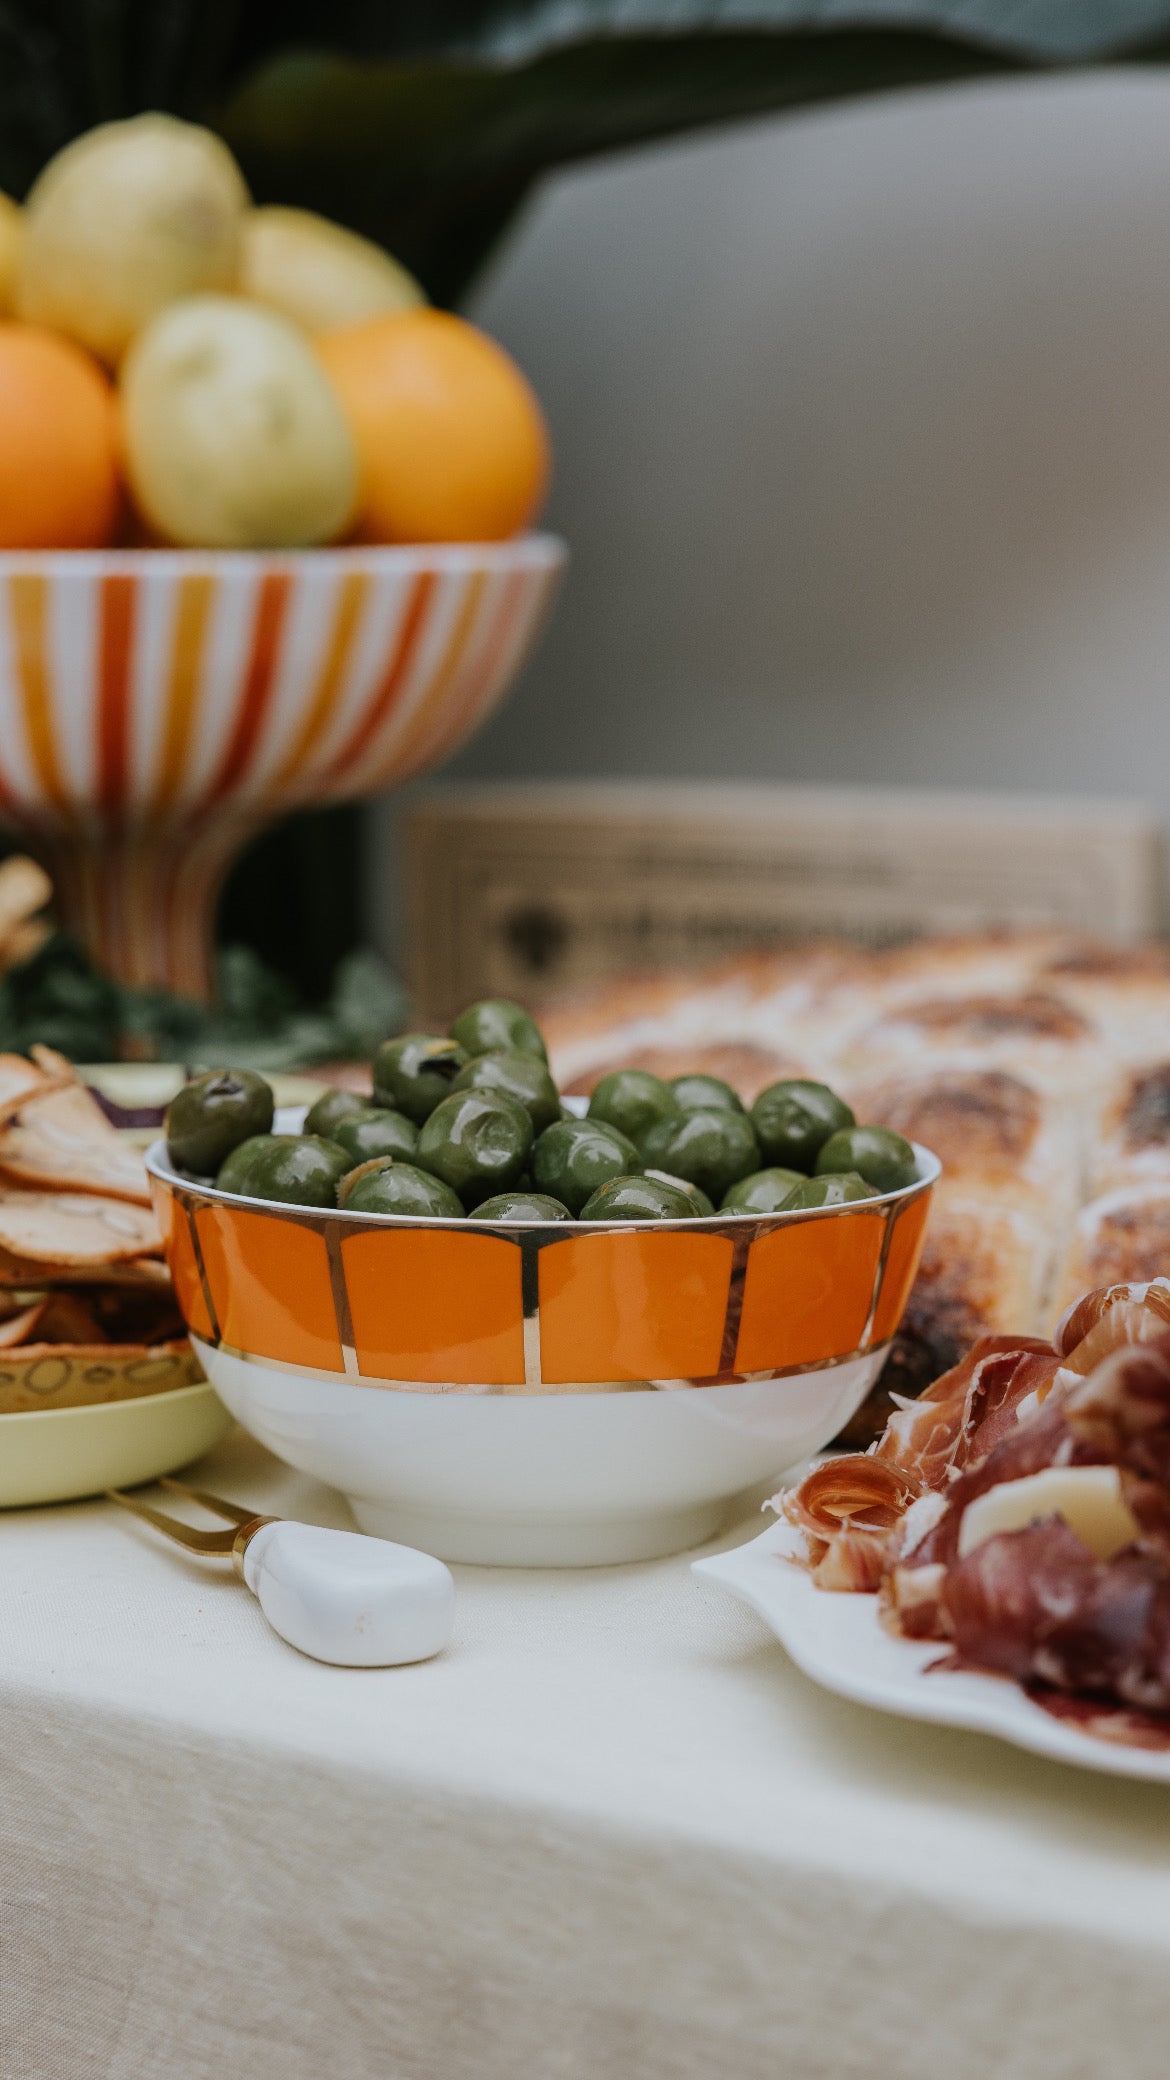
(357, 1602)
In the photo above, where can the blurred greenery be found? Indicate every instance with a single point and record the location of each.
(59, 999)
(427, 122)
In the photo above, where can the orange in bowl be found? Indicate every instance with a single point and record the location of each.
(58, 444)
(451, 441)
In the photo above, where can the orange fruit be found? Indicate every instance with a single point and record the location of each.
(452, 445)
(58, 444)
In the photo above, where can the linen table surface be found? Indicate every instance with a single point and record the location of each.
(611, 1833)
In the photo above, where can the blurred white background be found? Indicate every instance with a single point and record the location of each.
(862, 422)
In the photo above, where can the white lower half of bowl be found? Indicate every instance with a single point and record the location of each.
(540, 1480)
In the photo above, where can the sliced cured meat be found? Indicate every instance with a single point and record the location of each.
(1101, 1321)
(964, 1412)
(1120, 1414)
(1035, 1604)
(849, 1509)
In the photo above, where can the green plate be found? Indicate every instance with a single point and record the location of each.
(58, 1454)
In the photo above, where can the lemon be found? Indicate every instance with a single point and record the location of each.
(124, 220)
(317, 273)
(232, 434)
(11, 232)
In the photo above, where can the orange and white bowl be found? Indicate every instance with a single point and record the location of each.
(532, 1395)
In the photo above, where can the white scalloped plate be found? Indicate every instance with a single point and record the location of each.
(837, 1640)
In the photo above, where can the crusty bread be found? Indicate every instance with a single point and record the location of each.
(1037, 1065)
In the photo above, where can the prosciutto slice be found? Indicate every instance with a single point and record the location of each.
(1033, 1603)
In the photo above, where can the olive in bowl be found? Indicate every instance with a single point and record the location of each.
(477, 1142)
(294, 1169)
(415, 1073)
(794, 1118)
(712, 1148)
(761, 1191)
(574, 1157)
(700, 1093)
(375, 1132)
(701, 1206)
(883, 1158)
(632, 1100)
(327, 1113)
(522, 1077)
(839, 1189)
(387, 1185)
(214, 1114)
(522, 1206)
(497, 1026)
(637, 1199)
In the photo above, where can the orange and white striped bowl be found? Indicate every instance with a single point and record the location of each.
(158, 707)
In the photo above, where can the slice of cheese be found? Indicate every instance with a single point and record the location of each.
(1088, 1498)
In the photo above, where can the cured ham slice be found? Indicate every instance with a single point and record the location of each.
(1036, 1605)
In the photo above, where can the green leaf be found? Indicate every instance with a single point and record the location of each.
(426, 126)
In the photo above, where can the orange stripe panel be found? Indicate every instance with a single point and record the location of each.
(807, 1293)
(347, 611)
(452, 727)
(901, 1267)
(633, 1306)
(431, 704)
(179, 1247)
(427, 1304)
(259, 679)
(270, 1286)
(188, 635)
(393, 679)
(115, 643)
(28, 597)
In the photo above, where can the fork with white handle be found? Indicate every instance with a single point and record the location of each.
(337, 1596)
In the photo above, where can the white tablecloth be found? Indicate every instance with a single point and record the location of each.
(611, 1834)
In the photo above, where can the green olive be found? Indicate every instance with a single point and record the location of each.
(331, 1108)
(415, 1073)
(522, 1077)
(712, 1149)
(637, 1199)
(212, 1115)
(574, 1157)
(522, 1206)
(388, 1186)
(294, 1169)
(839, 1190)
(763, 1191)
(632, 1100)
(795, 1118)
(701, 1205)
(478, 1142)
(698, 1093)
(497, 1026)
(883, 1158)
(376, 1133)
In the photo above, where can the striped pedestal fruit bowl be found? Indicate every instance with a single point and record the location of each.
(540, 1396)
(158, 708)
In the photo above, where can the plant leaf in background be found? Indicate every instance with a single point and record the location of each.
(426, 122)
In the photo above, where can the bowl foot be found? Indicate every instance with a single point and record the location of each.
(535, 1541)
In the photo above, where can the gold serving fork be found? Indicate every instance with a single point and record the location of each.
(341, 1597)
(216, 1544)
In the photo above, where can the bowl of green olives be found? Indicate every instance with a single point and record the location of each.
(516, 1327)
